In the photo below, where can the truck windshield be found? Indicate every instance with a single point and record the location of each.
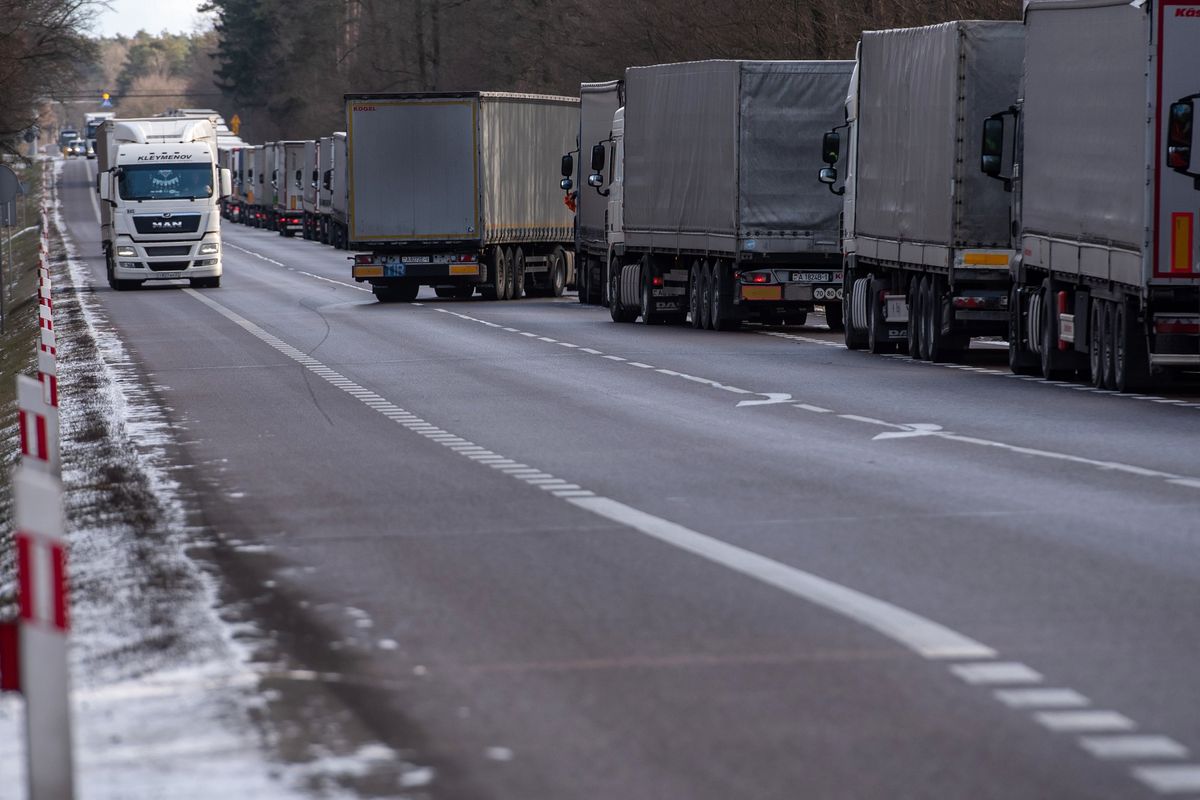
(166, 181)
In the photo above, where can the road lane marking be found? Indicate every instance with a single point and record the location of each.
(996, 673)
(1170, 778)
(1084, 721)
(923, 636)
(1132, 746)
(903, 431)
(1041, 698)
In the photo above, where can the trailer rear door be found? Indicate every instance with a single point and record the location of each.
(1176, 201)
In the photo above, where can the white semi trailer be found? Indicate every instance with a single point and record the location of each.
(160, 187)
(1103, 171)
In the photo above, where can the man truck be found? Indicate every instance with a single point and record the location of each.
(924, 235)
(1100, 159)
(707, 211)
(454, 191)
(160, 188)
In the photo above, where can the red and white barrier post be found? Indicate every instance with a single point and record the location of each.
(38, 420)
(43, 671)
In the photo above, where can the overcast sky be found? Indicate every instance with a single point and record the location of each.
(128, 16)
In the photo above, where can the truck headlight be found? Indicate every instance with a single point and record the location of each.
(208, 248)
(125, 252)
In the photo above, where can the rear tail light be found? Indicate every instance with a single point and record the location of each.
(757, 277)
(1177, 326)
(656, 281)
(363, 258)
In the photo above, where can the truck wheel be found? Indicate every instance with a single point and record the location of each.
(855, 338)
(1020, 361)
(834, 317)
(518, 274)
(695, 282)
(505, 273)
(1096, 335)
(915, 298)
(935, 343)
(705, 296)
(721, 316)
(1131, 361)
(616, 309)
(557, 281)
(876, 334)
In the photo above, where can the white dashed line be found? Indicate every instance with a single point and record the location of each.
(1004, 672)
(1170, 778)
(1084, 721)
(1041, 698)
(1132, 747)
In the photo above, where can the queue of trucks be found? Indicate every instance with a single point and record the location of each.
(1028, 180)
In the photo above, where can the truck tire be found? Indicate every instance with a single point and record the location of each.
(915, 298)
(506, 273)
(556, 281)
(834, 317)
(1131, 361)
(935, 345)
(1096, 336)
(616, 309)
(404, 292)
(1020, 360)
(854, 337)
(493, 289)
(721, 316)
(695, 282)
(705, 296)
(518, 274)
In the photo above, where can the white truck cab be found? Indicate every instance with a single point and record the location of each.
(161, 186)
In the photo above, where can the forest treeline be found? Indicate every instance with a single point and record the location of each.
(283, 66)
(286, 71)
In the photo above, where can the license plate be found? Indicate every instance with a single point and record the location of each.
(418, 259)
(169, 276)
(812, 277)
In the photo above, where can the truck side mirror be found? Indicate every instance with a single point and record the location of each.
(829, 176)
(226, 182)
(566, 184)
(103, 188)
(991, 160)
(595, 180)
(597, 159)
(1180, 135)
(831, 148)
(568, 165)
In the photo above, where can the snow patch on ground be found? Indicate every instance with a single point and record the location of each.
(167, 704)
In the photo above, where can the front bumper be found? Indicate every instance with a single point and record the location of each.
(167, 261)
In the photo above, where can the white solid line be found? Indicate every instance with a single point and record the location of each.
(869, 421)
(1041, 698)
(919, 634)
(331, 280)
(1084, 721)
(1170, 778)
(1134, 746)
(1005, 672)
(814, 409)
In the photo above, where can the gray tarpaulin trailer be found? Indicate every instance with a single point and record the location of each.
(926, 235)
(711, 210)
(458, 190)
(597, 104)
(1104, 190)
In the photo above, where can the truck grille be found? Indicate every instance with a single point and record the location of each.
(174, 250)
(167, 223)
(161, 266)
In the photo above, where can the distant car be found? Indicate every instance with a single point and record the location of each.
(76, 147)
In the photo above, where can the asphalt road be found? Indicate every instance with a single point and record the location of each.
(557, 557)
